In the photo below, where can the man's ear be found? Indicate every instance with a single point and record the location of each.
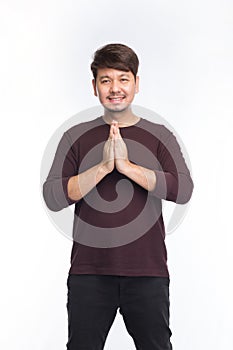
(137, 85)
(94, 87)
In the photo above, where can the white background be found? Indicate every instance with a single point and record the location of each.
(186, 76)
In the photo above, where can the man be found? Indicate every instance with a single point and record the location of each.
(116, 169)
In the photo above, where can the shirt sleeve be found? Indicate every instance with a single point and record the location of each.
(173, 179)
(63, 167)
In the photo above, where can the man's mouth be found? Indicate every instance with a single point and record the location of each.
(116, 98)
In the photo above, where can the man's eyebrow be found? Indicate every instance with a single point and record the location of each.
(107, 76)
(104, 76)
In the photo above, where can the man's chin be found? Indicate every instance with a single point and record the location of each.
(116, 108)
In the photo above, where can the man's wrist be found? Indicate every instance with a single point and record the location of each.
(125, 167)
(104, 169)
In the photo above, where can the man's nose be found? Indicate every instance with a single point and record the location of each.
(115, 86)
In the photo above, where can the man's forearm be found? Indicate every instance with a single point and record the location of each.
(79, 185)
(142, 176)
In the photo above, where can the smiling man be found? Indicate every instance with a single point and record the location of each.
(116, 169)
(116, 90)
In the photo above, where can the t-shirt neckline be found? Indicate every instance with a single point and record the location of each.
(122, 127)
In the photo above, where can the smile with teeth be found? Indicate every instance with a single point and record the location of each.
(116, 99)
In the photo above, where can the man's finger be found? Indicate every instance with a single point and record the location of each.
(117, 133)
(111, 132)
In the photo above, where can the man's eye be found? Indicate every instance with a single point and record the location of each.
(105, 81)
(124, 79)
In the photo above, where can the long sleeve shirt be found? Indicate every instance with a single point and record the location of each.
(118, 226)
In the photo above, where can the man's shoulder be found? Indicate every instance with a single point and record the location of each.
(79, 129)
(159, 130)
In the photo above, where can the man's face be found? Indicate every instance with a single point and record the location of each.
(115, 88)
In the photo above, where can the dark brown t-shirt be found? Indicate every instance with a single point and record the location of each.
(118, 226)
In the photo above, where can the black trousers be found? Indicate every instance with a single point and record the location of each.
(93, 301)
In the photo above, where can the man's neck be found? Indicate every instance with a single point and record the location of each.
(124, 118)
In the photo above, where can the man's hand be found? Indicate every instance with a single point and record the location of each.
(116, 154)
(120, 150)
(108, 152)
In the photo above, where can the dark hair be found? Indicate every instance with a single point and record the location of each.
(117, 56)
